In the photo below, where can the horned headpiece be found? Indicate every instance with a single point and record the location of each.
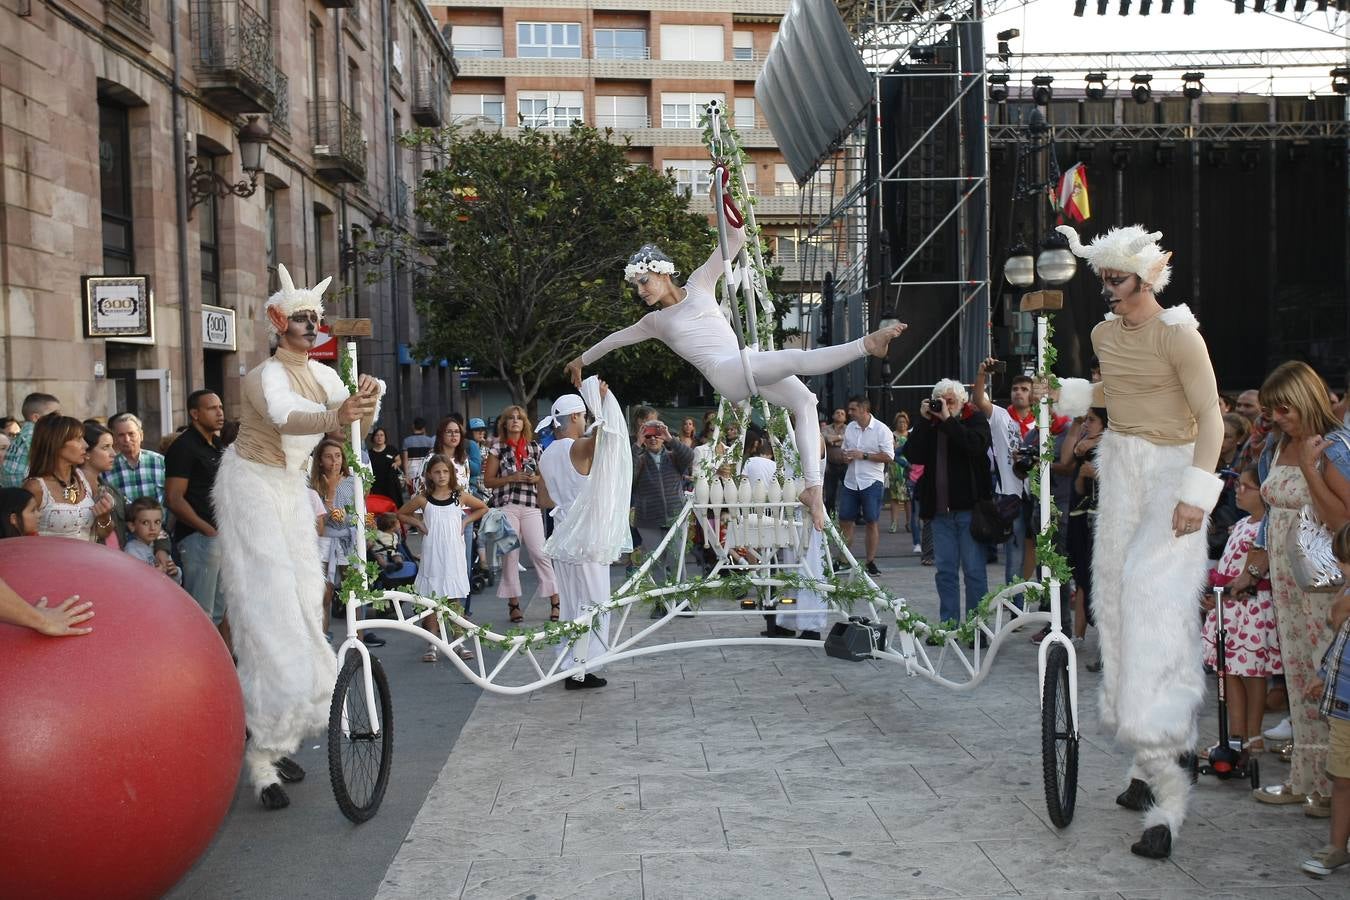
(1129, 249)
(291, 299)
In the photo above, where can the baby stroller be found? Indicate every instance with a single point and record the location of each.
(401, 574)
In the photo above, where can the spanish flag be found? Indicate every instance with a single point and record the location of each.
(1073, 193)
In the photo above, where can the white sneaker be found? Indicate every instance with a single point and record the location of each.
(918, 549)
(1281, 732)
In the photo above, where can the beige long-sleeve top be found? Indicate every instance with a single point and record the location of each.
(290, 402)
(1158, 382)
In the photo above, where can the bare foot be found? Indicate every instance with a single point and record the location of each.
(878, 341)
(811, 499)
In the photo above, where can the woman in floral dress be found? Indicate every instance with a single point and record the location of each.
(1306, 460)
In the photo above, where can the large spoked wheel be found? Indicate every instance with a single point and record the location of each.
(1059, 739)
(358, 754)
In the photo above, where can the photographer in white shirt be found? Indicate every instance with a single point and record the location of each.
(869, 448)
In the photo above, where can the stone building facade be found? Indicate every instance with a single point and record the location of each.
(107, 106)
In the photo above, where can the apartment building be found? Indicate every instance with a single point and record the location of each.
(643, 68)
(163, 157)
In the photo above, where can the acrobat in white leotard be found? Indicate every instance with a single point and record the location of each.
(696, 329)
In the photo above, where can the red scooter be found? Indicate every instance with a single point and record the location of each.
(1224, 762)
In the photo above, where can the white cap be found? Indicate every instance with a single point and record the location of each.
(563, 407)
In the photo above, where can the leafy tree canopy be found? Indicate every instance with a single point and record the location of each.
(536, 231)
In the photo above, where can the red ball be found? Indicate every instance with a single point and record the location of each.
(119, 749)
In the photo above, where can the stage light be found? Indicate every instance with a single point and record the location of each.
(1300, 5)
(1249, 158)
(1008, 34)
(1259, 6)
(1188, 7)
(1144, 6)
(1166, 6)
(1041, 90)
(1217, 155)
(923, 54)
(1124, 7)
(1280, 5)
(1239, 6)
(998, 87)
(1191, 88)
(1101, 7)
(1083, 152)
(1096, 85)
(1120, 156)
(1340, 80)
(1164, 154)
(1079, 6)
(1321, 5)
(1141, 92)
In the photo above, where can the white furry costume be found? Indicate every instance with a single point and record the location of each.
(269, 551)
(1145, 580)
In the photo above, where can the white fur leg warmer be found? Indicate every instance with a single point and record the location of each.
(1075, 397)
(261, 767)
(1171, 787)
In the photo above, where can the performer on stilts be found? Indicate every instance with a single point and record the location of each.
(689, 321)
(269, 549)
(1156, 487)
(590, 516)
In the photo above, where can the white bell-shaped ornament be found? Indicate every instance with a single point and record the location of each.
(746, 491)
(782, 533)
(715, 492)
(701, 490)
(798, 486)
(730, 496)
(773, 491)
(758, 493)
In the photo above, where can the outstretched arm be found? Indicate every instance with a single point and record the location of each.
(705, 277)
(636, 333)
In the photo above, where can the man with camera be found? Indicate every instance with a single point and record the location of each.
(1008, 426)
(660, 465)
(951, 441)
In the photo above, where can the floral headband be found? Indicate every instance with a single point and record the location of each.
(648, 259)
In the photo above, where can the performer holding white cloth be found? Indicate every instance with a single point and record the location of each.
(589, 477)
(268, 547)
(1156, 485)
(689, 321)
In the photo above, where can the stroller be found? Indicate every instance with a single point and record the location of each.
(402, 574)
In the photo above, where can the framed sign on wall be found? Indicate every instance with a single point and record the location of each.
(119, 308)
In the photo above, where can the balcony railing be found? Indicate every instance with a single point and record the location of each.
(339, 144)
(232, 55)
(136, 10)
(619, 122)
(281, 110)
(428, 96)
(623, 52)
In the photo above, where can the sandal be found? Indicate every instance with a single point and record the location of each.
(464, 653)
(514, 607)
(430, 655)
(553, 616)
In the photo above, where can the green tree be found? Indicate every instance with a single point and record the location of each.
(536, 231)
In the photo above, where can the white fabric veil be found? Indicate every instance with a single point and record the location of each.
(595, 529)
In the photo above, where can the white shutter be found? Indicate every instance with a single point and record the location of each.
(692, 42)
(478, 40)
(745, 112)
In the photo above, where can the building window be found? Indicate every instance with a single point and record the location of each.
(621, 112)
(354, 87)
(549, 110)
(270, 239)
(742, 46)
(467, 107)
(478, 40)
(552, 40)
(323, 222)
(745, 112)
(114, 170)
(621, 43)
(685, 110)
(316, 91)
(695, 42)
(208, 229)
(692, 177)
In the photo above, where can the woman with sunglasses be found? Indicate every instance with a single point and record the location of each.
(1306, 461)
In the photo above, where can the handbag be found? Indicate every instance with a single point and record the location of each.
(991, 521)
(1308, 549)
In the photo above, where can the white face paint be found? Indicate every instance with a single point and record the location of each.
(302, 330)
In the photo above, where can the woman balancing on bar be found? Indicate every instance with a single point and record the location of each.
(689, 321)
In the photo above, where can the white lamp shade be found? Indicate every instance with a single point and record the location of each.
(1056, 265)
(1020, 270)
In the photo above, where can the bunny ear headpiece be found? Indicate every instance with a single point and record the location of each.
(1129, 249)
(291, 299)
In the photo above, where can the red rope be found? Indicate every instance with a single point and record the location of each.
(734, 217)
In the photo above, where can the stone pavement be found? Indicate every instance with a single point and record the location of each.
(777, 773)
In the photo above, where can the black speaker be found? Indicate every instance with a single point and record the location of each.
(856, 639)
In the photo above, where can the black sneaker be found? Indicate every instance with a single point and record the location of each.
(372, 640)
(1154, 843)
(809, 636)
(581, 684)
(289, 770)
(774, 630)
(871, 568)
(1137, 796)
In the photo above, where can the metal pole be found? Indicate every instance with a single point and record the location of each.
(180, 199)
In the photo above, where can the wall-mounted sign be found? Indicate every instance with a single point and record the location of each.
(325, 345)
(218, 328)
(118, 307)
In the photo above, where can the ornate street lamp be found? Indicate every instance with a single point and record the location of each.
(203, 181)
(1056, 263)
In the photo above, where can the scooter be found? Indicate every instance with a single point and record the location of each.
(1225, 762)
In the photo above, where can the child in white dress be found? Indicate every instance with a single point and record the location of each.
(446, 508)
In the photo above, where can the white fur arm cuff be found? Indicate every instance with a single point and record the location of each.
(1200, 488)
(1075, 397)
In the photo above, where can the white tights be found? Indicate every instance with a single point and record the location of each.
(775, 374)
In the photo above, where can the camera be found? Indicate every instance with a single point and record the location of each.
(997, 367)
